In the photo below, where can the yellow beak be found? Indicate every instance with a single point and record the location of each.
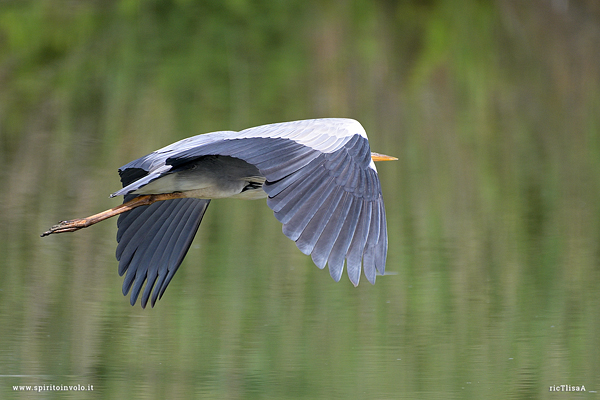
(381, 157)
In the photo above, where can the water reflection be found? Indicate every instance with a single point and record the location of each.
(234, 325)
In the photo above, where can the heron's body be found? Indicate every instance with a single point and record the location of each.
(211, 177)
(318, 175)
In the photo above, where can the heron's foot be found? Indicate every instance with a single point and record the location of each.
(79, 223)
(67, 226)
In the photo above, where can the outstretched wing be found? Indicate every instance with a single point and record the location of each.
(153, 240)
(322, 186)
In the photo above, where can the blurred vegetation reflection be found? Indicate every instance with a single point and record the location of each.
(493, 208)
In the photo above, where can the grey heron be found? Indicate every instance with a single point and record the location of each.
(318, 176)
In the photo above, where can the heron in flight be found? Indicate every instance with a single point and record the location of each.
(318, 176)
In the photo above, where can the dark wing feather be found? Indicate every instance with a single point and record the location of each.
(319, 202)
(320, 217)
(153, 241)
(332, 207)
(358, 242)
(339, 251)
(322, 251)
(129, 175)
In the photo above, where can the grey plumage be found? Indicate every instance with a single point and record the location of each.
(319, 178)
